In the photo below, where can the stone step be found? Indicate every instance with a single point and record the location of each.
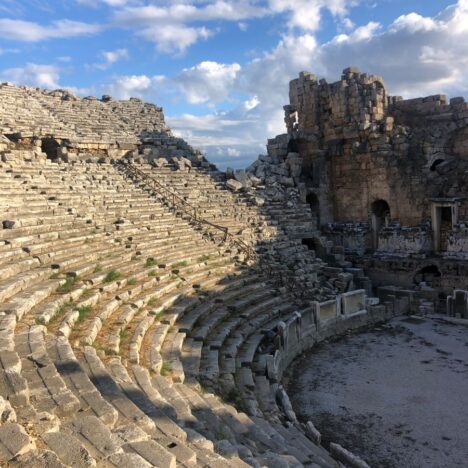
(91, 401)
(47, 389)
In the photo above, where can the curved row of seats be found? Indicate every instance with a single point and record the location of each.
(269, 228)
(113, 309)
(43, 113)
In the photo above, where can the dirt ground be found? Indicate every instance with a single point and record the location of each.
(396, 395)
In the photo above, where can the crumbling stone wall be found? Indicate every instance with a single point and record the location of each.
(377, 147)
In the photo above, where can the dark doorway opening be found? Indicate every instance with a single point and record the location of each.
(50, 147)
(310, 243)
(314, 204)
(429, 274)
(292, 146)
(445, 226)
(380, 217)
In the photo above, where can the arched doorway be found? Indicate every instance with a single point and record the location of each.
(314, 204)
(380, 217)
(429, 274)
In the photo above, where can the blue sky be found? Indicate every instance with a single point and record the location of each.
(220, 68)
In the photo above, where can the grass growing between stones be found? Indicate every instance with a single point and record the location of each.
(150, 261)
(124, 338)
(166, 369)
(83, 312)
(159, 314)
(113, 275)
(67, 287)
(61, 309)
(204, 258)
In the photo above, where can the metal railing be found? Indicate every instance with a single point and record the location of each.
(177, 203)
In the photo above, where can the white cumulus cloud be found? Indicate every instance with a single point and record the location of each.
(174, 37)
(110, 57)
(208, 81)
(33, 74)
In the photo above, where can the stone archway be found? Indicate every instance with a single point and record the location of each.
(428, 274)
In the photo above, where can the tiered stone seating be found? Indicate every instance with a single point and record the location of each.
(274, 230)
(130, 334)
(35, 112)
(106, 284)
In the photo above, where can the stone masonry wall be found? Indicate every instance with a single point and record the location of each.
(367, 146)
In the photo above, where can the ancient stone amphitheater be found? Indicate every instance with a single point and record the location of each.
(150, 303)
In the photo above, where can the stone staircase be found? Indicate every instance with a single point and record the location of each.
(267, 229)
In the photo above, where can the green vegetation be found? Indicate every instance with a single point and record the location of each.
(61, 309)
(87, 293)
(160, 313)
(64, 307)
(83, 312)
(124, 337)
(113, 275)
(180, 264)
(204, 258)
(166, 368)
(66, 287)
(132, 281)
(152, 273)
(98, 268)
(151, 302)
(150, 261)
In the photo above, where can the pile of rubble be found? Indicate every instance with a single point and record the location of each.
(273, 176)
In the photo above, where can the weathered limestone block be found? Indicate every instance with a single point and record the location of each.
(343, 455)
(312, 433)
(241, 176)
(7, 413)
(234, 185)
(38, 458)
(92, 429)
(14, 441)
(255, 181)
(68, 449)
(259, 201)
